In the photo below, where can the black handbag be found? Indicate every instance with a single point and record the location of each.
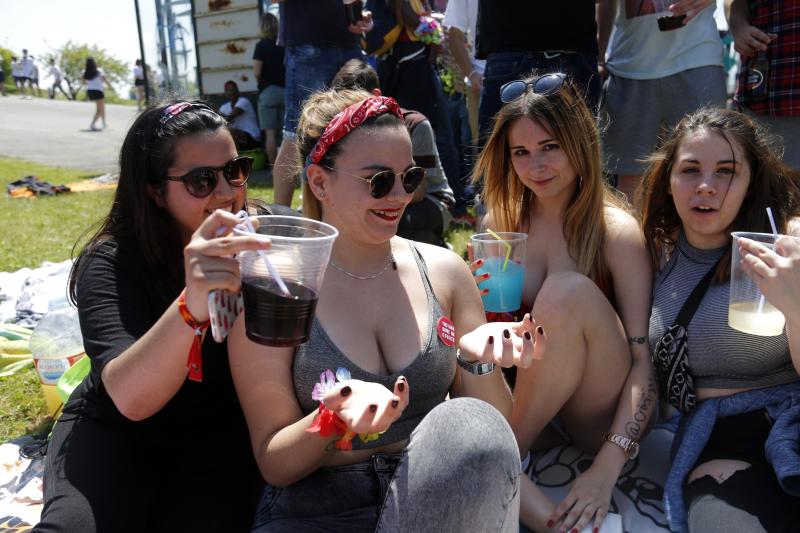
(671, 354)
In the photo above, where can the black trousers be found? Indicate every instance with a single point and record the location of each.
(100, 479)
(422, 222)
(754, 490)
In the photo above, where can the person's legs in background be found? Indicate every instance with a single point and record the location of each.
(308, 68)
(270, 117)
(423, 222)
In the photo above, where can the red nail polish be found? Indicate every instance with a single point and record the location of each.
(550, 523)
(479, 262)
(540, 330)
(573, 530)
(345, 391)
(596, 530)
(490, 340)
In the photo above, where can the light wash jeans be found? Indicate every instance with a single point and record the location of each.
(459, 472)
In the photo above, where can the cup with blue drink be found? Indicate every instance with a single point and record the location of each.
(503, 258)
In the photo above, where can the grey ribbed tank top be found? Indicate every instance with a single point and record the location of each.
(719, 356)
(429, 375)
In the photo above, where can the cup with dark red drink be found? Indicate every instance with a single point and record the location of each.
(280, 313)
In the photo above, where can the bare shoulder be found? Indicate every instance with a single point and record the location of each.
(793, 227)
(622, 226)
(441, 262)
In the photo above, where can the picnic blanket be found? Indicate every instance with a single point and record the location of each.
(21, 497)
(33, 186)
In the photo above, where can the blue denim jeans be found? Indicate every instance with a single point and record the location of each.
(459, 120)
(503, 67)
(459, 472)
(310, 68)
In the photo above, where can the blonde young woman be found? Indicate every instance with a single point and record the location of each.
(587, 281)
(382, 309)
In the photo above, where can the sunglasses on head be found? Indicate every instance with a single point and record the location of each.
(381, 183)
(544, 85)
(201, 181)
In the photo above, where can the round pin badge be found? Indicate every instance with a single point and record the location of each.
(446, 331)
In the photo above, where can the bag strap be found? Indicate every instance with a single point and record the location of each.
(693, 301)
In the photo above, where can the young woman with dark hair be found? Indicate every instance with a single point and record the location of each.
(95, 78)
(154, 439)
(735, 462)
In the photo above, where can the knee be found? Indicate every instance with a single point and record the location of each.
(565, 296)
(475, 433)
(709, 514)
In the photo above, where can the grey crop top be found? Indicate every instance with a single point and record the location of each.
(429, 375)
(719, 356)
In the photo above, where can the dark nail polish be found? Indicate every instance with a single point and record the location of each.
(573, 530)
(490, 340)
(506, 334)
(346, 391)
(540, 330)
(373, 408)
(550, 523)
(401, 386)
(395, 403)
(527, 335)
(595, 530)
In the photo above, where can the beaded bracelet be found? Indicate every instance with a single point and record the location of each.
(195, 361)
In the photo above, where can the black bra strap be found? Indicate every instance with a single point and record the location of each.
(693, 301)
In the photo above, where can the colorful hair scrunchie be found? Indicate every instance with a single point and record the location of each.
(346, 121)
(327, 422)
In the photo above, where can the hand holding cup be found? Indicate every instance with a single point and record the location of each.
(777, 273)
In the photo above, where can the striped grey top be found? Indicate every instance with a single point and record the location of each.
(719, 356)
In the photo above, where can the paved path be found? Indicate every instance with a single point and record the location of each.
(56, 132)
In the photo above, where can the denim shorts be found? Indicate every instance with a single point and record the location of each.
(342, 498)
(310, 68)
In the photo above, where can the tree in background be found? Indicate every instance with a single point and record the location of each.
(71, 57)
(5, 59)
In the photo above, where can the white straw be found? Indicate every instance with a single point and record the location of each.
(272, 272)
(775, 233)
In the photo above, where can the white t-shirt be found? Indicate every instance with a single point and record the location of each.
(247, 121)
(463, 14)
(16, 68)
(55, 72)
(138, 73)
(96, 83)
(640, 51)
(27, 67)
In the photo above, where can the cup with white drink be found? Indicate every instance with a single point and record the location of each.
(749, 311)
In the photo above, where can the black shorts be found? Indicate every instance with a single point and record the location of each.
(2, 76)
(95, 95)
(138, 82)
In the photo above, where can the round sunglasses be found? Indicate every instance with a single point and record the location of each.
(381, 183)
(544, 85)
(201, 181)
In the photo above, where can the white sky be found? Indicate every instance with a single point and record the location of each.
(44, 25)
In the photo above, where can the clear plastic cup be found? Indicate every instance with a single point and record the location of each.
(299, 253)
(748, 309)
(504, 260)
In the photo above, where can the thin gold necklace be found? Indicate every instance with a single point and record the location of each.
(390, 262)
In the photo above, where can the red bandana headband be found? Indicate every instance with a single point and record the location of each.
(346, 121)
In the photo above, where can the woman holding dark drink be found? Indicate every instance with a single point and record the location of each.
(154, 439)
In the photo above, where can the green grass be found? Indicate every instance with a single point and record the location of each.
(46, 229)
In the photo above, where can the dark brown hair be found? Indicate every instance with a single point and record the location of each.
(772, 183)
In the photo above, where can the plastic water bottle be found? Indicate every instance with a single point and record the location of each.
(56, 344)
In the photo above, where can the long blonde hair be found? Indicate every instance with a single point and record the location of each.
(564, 115)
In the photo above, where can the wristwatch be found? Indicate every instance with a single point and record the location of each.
(475, 367)
(628, 445)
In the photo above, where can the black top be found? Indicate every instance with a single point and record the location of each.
(272, 68)
(202, 426)
(317, 22)
(512, 26)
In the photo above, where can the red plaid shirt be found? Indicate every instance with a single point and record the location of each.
(781, 17)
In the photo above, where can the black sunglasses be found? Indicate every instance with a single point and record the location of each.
(201, 181)
(544, 85)
(381, 183)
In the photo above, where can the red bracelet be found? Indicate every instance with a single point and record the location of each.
(195, 361)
